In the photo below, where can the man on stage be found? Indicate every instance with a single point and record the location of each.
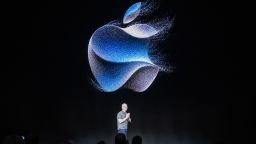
(122, 120)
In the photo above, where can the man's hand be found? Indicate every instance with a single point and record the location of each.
(127, 115)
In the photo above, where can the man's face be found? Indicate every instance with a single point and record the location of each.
(124, 107)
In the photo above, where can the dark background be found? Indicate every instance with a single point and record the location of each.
(49, 95)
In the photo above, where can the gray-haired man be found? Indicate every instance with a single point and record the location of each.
(122, 120)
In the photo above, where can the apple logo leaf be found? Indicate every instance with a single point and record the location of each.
(132, 12)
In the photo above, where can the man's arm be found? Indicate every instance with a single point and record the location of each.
(124, 119)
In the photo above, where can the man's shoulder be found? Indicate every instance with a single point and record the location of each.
(120, 113)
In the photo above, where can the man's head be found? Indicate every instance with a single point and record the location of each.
(124, 107)
(101, 142)
(137, 140)
(120, 139)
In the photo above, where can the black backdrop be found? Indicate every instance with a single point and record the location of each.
(48, 77)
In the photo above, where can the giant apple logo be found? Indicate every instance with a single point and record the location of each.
(119, 53)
